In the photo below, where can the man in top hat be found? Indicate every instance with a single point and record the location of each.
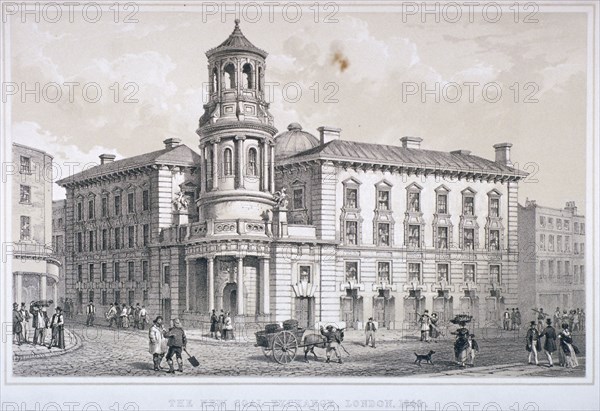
(425, 323)
(550, 343)
(17, 319)
(26, 318)
(57, 324)
(91, 314)
(370, 330)
(533, 343)
(40, 323)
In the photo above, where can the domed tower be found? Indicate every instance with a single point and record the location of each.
(236, 134)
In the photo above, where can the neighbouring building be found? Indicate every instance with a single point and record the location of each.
(36, 271)
(59, 221)
(552, 257)
(274, 226)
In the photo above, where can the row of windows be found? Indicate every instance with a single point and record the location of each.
(554, 269)
(252, 166)
(89, 243)
(116, 297)
(384, 272)
(228, 80)
(558, 245)
(130, 275)
(548, 222)
(117, 210)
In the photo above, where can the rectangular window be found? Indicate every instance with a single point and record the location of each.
(103, 272)
(542, 220)
(131, 296)
(567, 268)
(414, 272)
(383, 200)
(80, 242)
(542, 268)
(575, 248)
(558, 224)
(299, 199)
(550, 222)
(117, 205)
(442, 204)
(25, 196)
(167, 274)
(145, 297)
(79, 273)
(414, 202)
(117, 238)
(90, 209)
(352, 232)
(559, 268)
(25, 165)
(131, 236)
(104, 300)
(145, 270)
(383, 272)
(542, 242)
(575, 227)
(305, 274)
(443, 273)
(145, 200)
(550, 242)
(383, 234)
(582, 228)
(146, 234)
(469, 205)
(79, 211)
(469, 239)
(130, 203)
(494, 240)
(25, 227)
(104, 239)
(130, 271)
(104, 204)
(495, 273)
(551, 268)
(351, 198)
(117, 297)
(117, 271)
(469, 273)
(567, 225)
(494, 207)
(442, 237)
(582, 248)
(352, 271)
(90, 241)
(91, 273)
(414, 236)
(559, 243)
(567, 243)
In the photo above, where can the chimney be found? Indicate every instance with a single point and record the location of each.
(462, 152)
(411, 142)
(503, 153)
(107, 158)
(329, 134)
(172, 142)
(570, 206)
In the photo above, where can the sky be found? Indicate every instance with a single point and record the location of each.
(369, 68)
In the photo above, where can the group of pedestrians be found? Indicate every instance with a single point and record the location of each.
(465, 346)
(575, 318)
(511, 319)
(221, 326)
(428, 325)
(126, 317)
(36, 318)
(567, 350)
(172, 342)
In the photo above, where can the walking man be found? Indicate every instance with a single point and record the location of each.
(143, 317)
(513, 319)
(550, 343)
(136, 316)
(425, 323)
(91, 314)
(214, 324)
(370, 330)
(518, 318)
(158, 342)
(177, 341)
(332, 341)
(533, 343)
(111, 315)
(40, 323)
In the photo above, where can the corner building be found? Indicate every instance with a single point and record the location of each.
(362, 229)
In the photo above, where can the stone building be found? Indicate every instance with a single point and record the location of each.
(275, 226)
(36, 271)
(552, 257)
(59, 218)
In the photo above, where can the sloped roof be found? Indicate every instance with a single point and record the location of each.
(352, 151)
(236, 42)
(180, 155)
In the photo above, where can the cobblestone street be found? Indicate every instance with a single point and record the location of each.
(110, 352)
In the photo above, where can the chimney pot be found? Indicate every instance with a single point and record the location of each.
(107, 158)
(503, 153)
(411, 142)
(329, 134)
(172, 142)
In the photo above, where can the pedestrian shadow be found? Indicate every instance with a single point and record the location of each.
(142, 366)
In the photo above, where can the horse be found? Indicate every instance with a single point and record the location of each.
(312, 341)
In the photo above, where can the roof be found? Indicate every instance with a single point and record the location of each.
(236, 42)
(352, 151)
(294, 141)
(180, 155)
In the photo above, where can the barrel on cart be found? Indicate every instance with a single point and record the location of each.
(281, 343)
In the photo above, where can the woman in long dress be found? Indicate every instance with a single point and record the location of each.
(434, 333)
(567, 353)
(461, 344)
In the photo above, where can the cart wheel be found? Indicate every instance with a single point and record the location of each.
(285, 346)
(266, 352)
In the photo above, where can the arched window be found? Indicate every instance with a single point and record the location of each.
(248, 76)
(215, 80)
(227, 162)
(259, 80)
(208, 165)
(252, 162)
(229, 76)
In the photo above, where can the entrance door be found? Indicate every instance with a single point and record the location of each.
(166, 311)
(384, 309)
(351, 308)
(304, 312)
(230, 299)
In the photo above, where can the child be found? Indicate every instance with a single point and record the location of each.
(472, 350)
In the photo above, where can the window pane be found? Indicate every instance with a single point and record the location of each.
(351, 197)
(298, 199)
(414, 236)
(442, 204)
(352, 271)
(469, 206)
(25, 228)
(351, 232)
(494, 207)
(25, 194)
(383, 272)
(469, 239)
(383, 200)
(305, 273)
(414, 202)
(442, 273)
(442, 237)
(384, 234)
(414, 272)
(469, 273)
(494, 240)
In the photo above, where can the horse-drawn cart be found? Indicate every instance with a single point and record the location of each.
(282, 344)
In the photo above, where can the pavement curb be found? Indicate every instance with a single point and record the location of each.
(76, 345)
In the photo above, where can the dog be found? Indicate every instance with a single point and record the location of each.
(424, 357)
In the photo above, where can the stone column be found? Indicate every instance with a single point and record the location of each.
(210, 267)
(215, 158)
(265, 160)
(240, 285)
(43, 286)
(266, 284)
(55, 286)
(272, 161)
(202, 187)
(187, 284)
(239, 152)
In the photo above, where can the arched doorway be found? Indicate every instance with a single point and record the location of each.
(230, 298)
